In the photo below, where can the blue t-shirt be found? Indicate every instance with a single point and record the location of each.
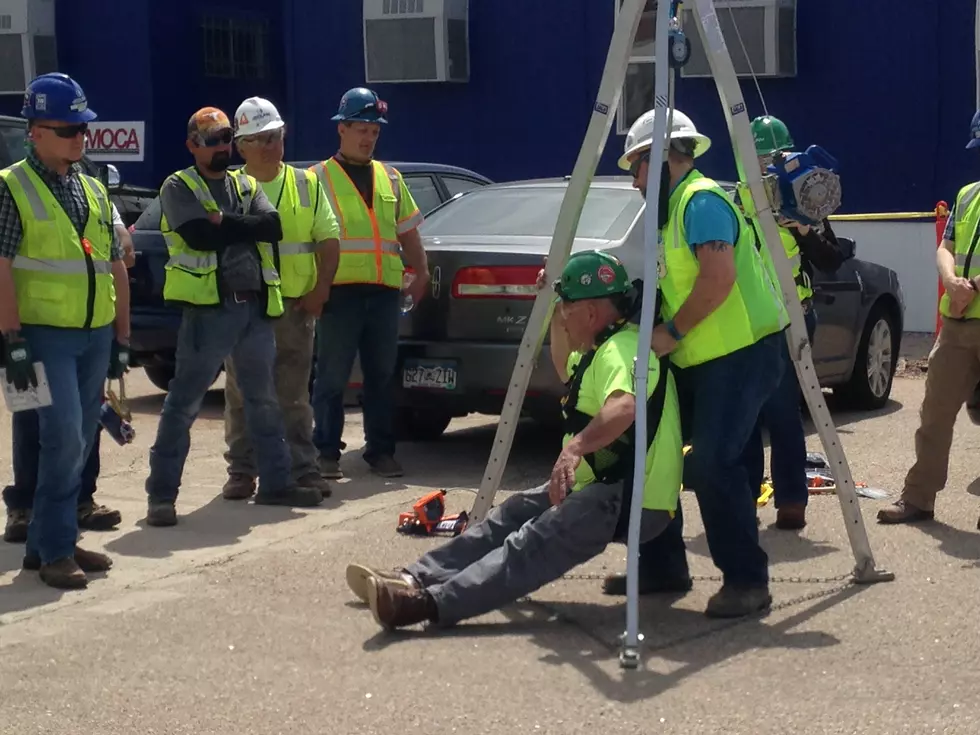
(707, 218)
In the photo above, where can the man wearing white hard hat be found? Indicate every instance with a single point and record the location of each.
(723, 322)
(306, 259)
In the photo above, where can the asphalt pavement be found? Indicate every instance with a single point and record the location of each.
(238, 620)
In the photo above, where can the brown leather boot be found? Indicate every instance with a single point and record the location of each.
(791, 517)
(902, 511)
(63, 574)
(87, 561)
(239, 486)
(398, 606)
(358, 575)
(18, 522)
(94, 517)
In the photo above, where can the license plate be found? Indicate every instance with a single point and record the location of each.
(437, 375)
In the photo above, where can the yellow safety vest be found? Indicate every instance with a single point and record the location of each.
(803, 286)
(192, 275)
(369, 248)
(294, 258)
(61, 279)
(753, 309)
(967, 260)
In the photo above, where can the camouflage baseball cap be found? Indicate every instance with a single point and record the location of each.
(206, 122)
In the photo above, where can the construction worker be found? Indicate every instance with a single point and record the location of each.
(954, 363)
(64, 303)
(213, 222)
(378, 223)
(782, 416)
(534, 537)
(310, 233)
(723, 327)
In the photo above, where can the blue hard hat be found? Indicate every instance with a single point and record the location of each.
(361, 104)
(974, 131)
(56, 96)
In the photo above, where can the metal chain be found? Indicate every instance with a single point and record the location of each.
(593, 577)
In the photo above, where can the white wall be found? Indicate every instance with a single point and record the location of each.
(908, 248)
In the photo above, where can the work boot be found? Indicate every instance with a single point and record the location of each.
(238, 486)
(316, 481)
(161, 514)
(18, 521)
(294, 496)
(63, 574)
(358, 576)
(94, 517)
(615, 584)
(397, 606)
(330, 469)
(385, 466)
(87, 561)
(902, 511)
(791, 517)
(736, 602)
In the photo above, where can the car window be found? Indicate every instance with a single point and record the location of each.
(532, 211)
(424, 192)
(455, 185)
(14, 143)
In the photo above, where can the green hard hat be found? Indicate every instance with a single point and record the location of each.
(771, 135)
(592, 274)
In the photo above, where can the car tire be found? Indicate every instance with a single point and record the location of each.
(160, 376)
(874, 365)
(421, 424)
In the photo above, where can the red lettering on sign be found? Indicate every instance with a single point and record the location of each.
(112, 139)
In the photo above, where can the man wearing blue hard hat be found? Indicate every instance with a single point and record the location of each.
(954, 363)
(64, 312)
(379, 223)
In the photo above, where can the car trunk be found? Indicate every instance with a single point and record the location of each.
(481, 290)
(147, 274)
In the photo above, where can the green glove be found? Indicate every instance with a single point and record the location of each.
(118, 360)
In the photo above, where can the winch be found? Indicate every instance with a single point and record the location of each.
(804, 187)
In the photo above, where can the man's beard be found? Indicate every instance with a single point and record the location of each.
(220, 161)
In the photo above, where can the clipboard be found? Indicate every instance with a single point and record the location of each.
(30, 399)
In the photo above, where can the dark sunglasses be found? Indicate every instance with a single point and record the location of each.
(67, 131)
(263, 139)
(223, 137)
(635, 166)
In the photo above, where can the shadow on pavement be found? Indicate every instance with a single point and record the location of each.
(782, 546)
(952, 541)
(27, 591)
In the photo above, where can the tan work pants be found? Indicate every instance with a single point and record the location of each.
(954, 370)
(294, 360)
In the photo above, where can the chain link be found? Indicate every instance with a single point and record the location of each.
(593, 577)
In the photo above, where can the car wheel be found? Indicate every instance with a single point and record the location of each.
(874, 365)
(421, 424)
(160, 376)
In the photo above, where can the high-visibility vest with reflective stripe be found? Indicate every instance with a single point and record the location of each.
(295, 256)
(752, 310)
(804, 288)
(965, 235)
(61, 279)
(192, 276)
(369, 248)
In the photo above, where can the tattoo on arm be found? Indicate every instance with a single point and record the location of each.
(717, 245)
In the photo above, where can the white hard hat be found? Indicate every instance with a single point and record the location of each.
(256, 115)
(641, 134)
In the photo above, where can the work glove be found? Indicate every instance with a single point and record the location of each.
(19, 363)
(118, 360)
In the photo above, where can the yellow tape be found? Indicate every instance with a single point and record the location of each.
(881, 216)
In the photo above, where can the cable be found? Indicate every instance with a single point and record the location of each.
(738, 34)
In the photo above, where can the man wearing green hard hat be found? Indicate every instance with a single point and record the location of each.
(805, 247)
(534, 537)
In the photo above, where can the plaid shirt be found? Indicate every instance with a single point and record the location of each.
(67, 190)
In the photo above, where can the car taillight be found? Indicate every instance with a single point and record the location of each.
(496, 282)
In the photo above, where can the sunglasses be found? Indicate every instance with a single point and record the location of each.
(263, 139)
(635, 166)
(67, 131)
(223, 137)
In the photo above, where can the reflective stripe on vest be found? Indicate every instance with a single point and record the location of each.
(61, 278)
(294, 257)
(966, 259)
(752, 310)
(369, 247)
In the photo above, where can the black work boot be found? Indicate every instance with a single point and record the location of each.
(18, 521)
(736, 602)
(294, 496)
(92, 517)
(161, 514)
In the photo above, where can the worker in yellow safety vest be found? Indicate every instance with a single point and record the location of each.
(306, 260)
(954, 363)
(64, 314)
(379, 223)
(215, 223)
(723, 323)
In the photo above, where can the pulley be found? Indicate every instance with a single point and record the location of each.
(679, 44)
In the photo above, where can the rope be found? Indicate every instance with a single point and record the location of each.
(755, 79)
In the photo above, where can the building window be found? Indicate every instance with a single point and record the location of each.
(637, 96)
(235, 48)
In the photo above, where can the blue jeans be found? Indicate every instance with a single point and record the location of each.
(357, 319)
(720, 405)
(206, 337)
(76, 362)
(27, 451)
(782, 416)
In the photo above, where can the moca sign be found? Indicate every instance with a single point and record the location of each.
(115, 141)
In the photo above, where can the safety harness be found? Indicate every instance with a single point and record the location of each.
(613, 463)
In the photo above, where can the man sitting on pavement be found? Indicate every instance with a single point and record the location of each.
(534, 537)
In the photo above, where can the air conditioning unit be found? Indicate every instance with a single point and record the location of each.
(764, 30)
(416, 41)
(27, 45)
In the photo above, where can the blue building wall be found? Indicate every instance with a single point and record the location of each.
(887, 86)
